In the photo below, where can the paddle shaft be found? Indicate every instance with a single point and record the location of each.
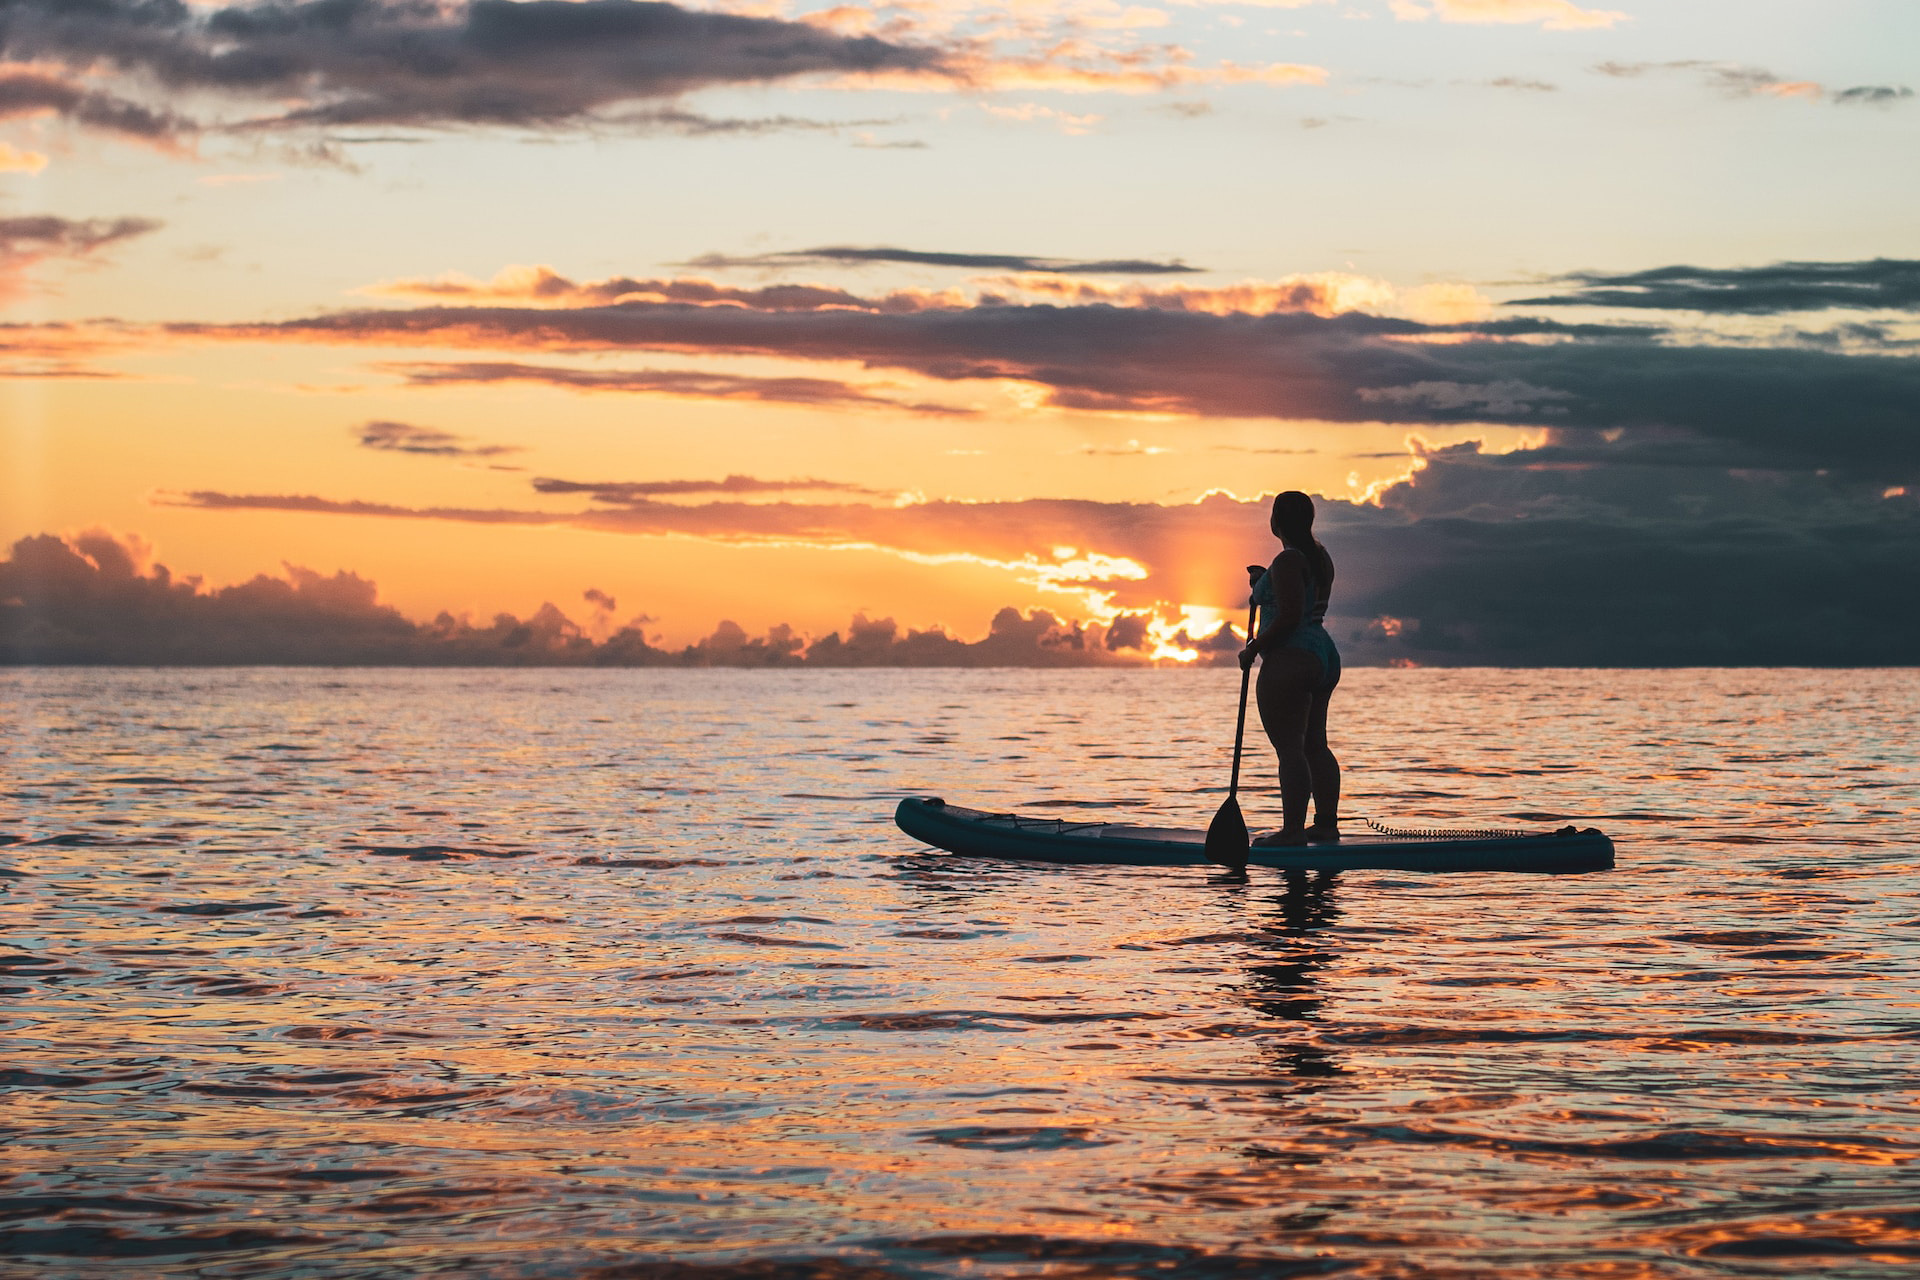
(1240, 729)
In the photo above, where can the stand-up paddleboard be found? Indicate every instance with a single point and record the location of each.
(978, 834)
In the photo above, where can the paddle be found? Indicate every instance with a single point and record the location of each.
(1227, 839)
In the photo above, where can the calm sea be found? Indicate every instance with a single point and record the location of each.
(628, 974)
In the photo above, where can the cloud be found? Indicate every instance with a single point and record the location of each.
(396, 62)
(1891, 284)
(1131, 449)
(1554, 15)
(92, 600)
(1129, 631)
(1579, 552)
(1773, 406)
(209, 500)
(1056, 280)
(1524, 85)
(402, 437)
(1072, 125)
(848, 255)
(1509, 398)
(14, 160)
(1575, 558)
(535, 64)
(26, 242)
(53, 350)
(1322, 293)
(628, 491)
(542, 286)
(820, 393)
(696, 124)
(1738, 80)
(1142, 555)
(30, 92)
(1072, 65)
(1873, 95)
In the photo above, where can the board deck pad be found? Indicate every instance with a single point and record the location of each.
(980, 834)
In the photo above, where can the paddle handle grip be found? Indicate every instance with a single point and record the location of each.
(1240, 728)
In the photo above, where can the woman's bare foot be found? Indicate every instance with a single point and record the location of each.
(1324, 833)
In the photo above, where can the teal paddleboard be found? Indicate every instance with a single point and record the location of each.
(979, 834)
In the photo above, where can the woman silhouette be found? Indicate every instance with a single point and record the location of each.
(1300, 667)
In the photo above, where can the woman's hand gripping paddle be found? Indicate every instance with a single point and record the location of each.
(1227, 839)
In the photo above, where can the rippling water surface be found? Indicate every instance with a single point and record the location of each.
(397, 973)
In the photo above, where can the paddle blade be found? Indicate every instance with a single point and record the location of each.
(1227, 840)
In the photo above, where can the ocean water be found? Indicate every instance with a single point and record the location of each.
(628, 974)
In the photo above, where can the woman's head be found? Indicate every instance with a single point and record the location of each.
(1293, 517)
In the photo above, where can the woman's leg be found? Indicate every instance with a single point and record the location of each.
(1325, 768)
(1284, 693)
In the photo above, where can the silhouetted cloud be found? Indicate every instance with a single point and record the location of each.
(408, 62)
(403, 437)
(1128, 631)
(1013, 639)
(1891, 284)
(89, 601)
(1550, 557)
(842, 255)
(686, 383)
(1768, 407)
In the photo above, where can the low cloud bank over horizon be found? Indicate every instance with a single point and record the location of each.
(89, 601)
(1570, 554)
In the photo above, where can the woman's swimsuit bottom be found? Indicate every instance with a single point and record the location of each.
(1311, 634)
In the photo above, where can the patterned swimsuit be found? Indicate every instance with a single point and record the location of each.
(1311, 633)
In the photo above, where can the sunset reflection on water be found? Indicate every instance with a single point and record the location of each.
(320, 973)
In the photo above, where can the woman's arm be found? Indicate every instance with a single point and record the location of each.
(1289, 586)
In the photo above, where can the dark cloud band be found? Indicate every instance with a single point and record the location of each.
(1775, 407)
(1889, 284)
(419, 63)
(851, 256)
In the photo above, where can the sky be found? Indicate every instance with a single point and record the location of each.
(958, 332)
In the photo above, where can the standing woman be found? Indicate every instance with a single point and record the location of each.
(1298, 672)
